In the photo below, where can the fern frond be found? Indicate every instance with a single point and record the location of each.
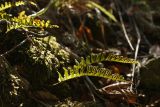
(23, 21)
(5, 6)
(8, 5)
(95, 58)
(84, 67)
(121, 59)
(27, 21)
(89, 71)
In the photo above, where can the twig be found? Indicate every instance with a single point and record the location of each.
(138, 41)
(90, 82)
(122, 25)
(102, 21)
(42, 11)
(93, 89)
(124, 30)
(90, 89)
(136, 52)
(9, 51)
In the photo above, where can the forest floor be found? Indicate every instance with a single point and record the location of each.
(42, 40)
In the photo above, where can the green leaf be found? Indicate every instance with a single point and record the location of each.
(92, 4)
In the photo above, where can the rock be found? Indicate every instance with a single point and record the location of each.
(150, 75)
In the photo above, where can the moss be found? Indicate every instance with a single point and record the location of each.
(47, 57)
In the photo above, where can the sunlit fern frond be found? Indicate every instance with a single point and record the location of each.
(95, 58)
(24, 21)
(8, 5)
(84, 67)
(89, 70)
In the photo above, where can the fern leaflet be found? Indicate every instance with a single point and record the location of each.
(8, 5)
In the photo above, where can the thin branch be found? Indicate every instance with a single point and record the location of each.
(89, 88)
(122, 24)
(124, 30)
(9, 51)
(138, 40)
(42, 11)
(136, 52)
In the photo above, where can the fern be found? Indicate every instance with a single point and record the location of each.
(24, 21)
(84, 67)
(8, 5)
(95, 58)
(89, 71)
